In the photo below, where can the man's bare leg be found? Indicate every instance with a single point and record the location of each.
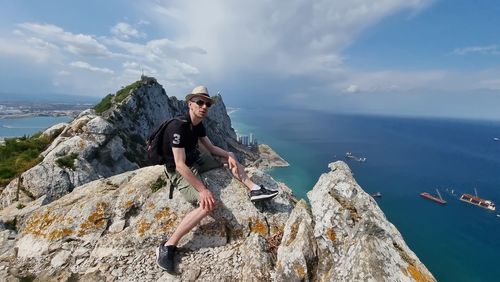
(188, 222)
(240, 174)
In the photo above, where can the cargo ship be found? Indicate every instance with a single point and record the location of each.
(475, 200)
(433, 198)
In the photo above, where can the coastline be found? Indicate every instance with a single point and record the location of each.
(268, 158)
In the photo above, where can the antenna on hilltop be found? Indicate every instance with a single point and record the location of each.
(218, 92)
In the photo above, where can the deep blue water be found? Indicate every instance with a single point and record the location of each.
(405, 156)
(28, 126)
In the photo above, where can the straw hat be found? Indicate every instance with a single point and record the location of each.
(200, 91)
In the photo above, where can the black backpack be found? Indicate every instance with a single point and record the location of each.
(154, 143)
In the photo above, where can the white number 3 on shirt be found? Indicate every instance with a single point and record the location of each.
(177, 139)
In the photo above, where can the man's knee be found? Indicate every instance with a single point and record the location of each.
(205, 211)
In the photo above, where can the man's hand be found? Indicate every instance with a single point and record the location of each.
(207, 200)
(234, 165)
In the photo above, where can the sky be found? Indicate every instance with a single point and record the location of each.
(393, 57)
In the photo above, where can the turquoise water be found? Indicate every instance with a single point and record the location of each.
(28, 126)
(457, 242)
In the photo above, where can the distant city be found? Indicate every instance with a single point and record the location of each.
(40, 109)
(247, 140)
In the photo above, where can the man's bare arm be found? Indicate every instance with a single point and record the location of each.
(214, 149)
(235, 167)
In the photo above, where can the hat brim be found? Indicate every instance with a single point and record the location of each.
(191, 96)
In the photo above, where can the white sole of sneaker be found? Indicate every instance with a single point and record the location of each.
(263, 197)
(157, 256)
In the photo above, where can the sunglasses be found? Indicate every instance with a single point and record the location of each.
(201, 103)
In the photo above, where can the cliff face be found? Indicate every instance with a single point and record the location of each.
(102, 219)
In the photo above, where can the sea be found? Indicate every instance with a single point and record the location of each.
(404, 157)
(16, 127)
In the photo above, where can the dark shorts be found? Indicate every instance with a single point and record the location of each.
(204, 163)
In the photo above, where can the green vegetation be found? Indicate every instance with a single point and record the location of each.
(19, 155)
(125, 91)
(158, 184)
(20, 206)
(105, 104)
(67, 161)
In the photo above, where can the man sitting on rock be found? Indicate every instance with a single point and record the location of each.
(184, 164)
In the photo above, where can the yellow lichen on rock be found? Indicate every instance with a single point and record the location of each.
(299, 269)
(167, 218)
(417, 275)
(330, 233)
(60, 233)
(293, 233)
(39, 222)
(257, 226)
(95, 221)
(142, 227)
(128, 204)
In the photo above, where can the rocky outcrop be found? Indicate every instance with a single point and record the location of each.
(98, 145)
(116, 223)
(353, 240)
(108, 229)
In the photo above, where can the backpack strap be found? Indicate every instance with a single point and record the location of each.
(161, 131)
(171, 188)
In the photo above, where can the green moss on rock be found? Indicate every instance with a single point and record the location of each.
(67, 161)
(158, 184)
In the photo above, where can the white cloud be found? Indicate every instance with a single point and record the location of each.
(490, 50)
(125, 31)
(87, 66)
(352, 88)
(301, 37)
(79, 44)
(63, 73)
(33, 48)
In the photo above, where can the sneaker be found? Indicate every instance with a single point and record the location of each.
(165, 257)
(262, 194)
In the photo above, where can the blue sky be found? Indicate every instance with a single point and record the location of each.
(400, 57)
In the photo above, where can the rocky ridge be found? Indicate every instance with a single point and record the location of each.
(107, 228)
(103, 144)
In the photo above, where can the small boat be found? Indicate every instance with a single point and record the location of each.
(438, 199)
(376, 195)
(349, 155)
(496, 139)
(475, 200)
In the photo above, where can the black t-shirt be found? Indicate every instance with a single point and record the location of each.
(181, 133)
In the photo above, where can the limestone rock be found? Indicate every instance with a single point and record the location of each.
(297, 254)
(355, 240)
(257, 261)
(79, 225)
(54, 131)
